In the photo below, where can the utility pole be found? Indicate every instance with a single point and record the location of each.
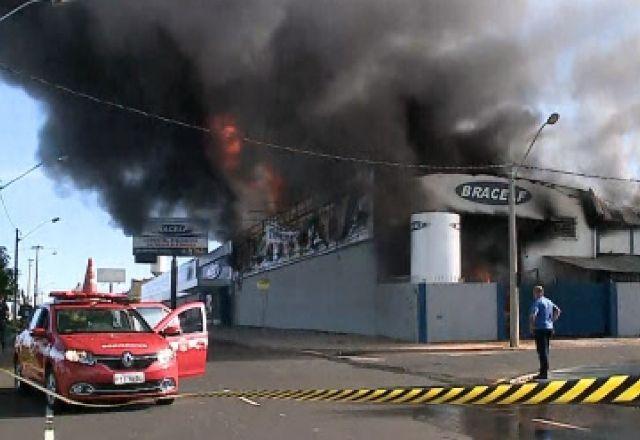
(29, 283)
(514, 298)
(15, 277)
(174, 282)
(35, 285)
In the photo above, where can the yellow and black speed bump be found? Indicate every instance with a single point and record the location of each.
(612, 389)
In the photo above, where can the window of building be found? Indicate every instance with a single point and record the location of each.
(563, 227)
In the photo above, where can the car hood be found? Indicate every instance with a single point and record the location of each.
(115, 343)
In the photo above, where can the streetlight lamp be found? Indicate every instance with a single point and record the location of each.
(29, 3)
(15, 261)
(33, 168)
(514, 299)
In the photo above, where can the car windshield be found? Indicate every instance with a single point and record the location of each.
(92, 320)
(153, 315)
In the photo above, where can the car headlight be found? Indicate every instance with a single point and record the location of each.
(165, 356)
(80, 356)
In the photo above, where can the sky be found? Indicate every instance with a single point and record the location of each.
(585, 55)
(84, 229)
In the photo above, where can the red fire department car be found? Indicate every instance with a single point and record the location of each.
(93, 346)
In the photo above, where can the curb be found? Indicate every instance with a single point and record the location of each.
(329, 352)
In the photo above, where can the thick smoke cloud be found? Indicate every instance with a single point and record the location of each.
(443, 83)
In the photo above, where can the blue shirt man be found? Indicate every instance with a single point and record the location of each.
(542, 310)
(541, 318)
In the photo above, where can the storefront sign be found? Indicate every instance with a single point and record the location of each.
(491, 193)
(171, 236)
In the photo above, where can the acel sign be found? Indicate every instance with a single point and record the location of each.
(491, 193)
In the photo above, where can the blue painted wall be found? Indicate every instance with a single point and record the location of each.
(586, 308)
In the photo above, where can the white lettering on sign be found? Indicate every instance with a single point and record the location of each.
(172, 229)
(491, 192)
(522, 195)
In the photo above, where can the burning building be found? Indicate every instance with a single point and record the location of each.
(240, 111)
(344, 266)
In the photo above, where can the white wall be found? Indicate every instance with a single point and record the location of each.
(569, 205)
(396, 311)
(333, 292)
(628, 309)
(462, 312)
(615, 241)
(636, 241)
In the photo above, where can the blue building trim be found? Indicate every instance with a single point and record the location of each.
(613, 308)
(422, 313)
(501, 292)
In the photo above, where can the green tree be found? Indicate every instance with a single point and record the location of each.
(6, 274)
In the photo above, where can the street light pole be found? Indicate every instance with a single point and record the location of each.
(15, 259)
(514, 297)
(26, 4)
(30, 260)
(19, 8)
(33, 168)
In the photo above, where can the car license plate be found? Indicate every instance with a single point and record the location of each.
(126, 378)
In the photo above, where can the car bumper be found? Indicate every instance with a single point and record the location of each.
(98, 382)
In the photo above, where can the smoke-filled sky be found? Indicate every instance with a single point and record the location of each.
(434, 82)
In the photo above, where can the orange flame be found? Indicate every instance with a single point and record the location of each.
(482, 275)
(229, 136)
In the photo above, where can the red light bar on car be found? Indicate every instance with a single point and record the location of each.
(73, 295)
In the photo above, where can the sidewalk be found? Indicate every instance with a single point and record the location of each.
(338, 344)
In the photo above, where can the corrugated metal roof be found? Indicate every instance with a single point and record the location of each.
(605, 263)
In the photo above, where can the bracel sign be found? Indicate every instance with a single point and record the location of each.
(491, 193)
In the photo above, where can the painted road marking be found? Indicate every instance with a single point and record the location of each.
(613, 389)
(49, 433)
(559, 424)
(611, 384)
(249, 401)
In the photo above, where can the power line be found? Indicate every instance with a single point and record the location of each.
(6, 211)
(271, 145)
(582, 174)
(296, 150)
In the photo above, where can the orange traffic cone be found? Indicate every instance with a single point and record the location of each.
(90, 285)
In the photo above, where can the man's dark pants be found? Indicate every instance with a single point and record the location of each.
(542, 346)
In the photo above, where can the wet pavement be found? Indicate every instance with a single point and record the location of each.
(234, 366)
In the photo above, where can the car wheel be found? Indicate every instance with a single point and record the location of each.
(18, 385)
(52, 385)
(164, 401)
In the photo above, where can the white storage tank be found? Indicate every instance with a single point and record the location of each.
(435, 247)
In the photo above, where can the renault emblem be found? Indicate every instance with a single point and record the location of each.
(127, 359)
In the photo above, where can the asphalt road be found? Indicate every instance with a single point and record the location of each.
(23, 417)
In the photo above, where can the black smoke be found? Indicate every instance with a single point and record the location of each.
(442, 83)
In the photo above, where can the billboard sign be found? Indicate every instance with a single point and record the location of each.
(106, 275)
(182, 237)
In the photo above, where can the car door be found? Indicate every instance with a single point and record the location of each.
(42, 345)
(26, 347)
(191, 344)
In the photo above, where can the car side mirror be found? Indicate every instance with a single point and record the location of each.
(171, 331)
(39, 332)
